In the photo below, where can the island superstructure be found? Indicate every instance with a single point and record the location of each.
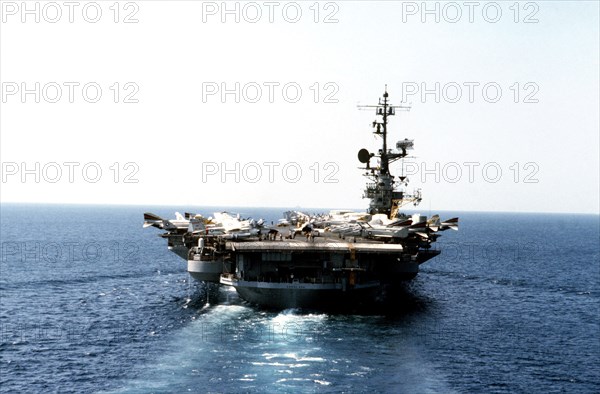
(318, 260)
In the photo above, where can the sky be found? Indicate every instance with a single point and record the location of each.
(256, 103)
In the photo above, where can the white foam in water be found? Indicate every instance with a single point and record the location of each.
(290, 365)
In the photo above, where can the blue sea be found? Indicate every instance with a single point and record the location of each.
(91, 302)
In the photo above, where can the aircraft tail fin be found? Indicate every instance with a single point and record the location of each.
(196, 226)
(151, 219)
(419, 225)
(403, 223)
(450, 224)
(151, 216)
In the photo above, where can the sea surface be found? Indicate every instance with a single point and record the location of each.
(91, 302)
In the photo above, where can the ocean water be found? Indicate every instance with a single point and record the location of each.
(91, 302)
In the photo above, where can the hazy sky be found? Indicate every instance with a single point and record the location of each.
(510, 123)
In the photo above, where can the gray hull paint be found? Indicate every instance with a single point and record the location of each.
(207, 271)
(309, 299)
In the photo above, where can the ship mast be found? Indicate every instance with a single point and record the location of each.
(384, 198)
(385, 165)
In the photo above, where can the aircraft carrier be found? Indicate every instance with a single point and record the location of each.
(316, 261)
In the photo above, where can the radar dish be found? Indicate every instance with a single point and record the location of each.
(364, 156)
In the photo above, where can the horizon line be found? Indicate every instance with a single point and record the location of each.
(281, 207)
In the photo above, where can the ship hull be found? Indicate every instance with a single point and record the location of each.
(306, 298)
(327, 273)
(207, 271)
(304, 295)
